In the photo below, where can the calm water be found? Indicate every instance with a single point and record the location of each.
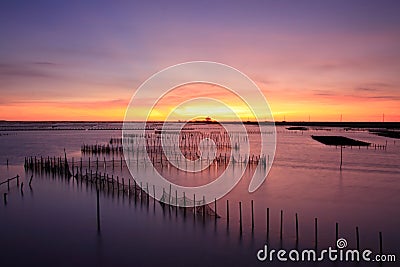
(54, 223)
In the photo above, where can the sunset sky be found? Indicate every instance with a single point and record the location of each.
(83, 60)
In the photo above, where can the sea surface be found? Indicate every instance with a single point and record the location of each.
(53, 222)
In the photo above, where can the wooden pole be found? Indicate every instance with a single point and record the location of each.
(341, 157)
(267, 222)
(148, 193)
(316, 231)
(5, 198)
(337, 232)
(380, 244)
(227, 211)
(297, 228)
(252, 214)
(204, 208)
(240, 215)
(22, 188)
(281, 232)
(184, 204)
(194, 204)
(357, 238)
(215, 208)
(170, 194)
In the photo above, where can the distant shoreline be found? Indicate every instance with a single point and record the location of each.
(99, 125)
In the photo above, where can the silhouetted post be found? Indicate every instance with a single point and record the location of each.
(281, 232)
(267, 222)
(194, 205)
(252, 214)
(215, 208)
(316, 232)
(297, 228)
(98, 210)
(341, 157)
(184, 204)
(227, 211)
(380, 243)
(7, 162)
(170, 194)
(337, 232)
(5, 198)
(22, 188)
(17, 180)
(8, 184)
(121, 163)
(357, 238)
(129, 186)
(240, 215)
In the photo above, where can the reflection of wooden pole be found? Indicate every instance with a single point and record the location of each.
(30, 181)
(341, 156)
(98, 211)
(380, 243)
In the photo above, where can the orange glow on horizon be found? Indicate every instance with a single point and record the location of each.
(284, 106)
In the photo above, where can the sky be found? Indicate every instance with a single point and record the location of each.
(313, 60)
